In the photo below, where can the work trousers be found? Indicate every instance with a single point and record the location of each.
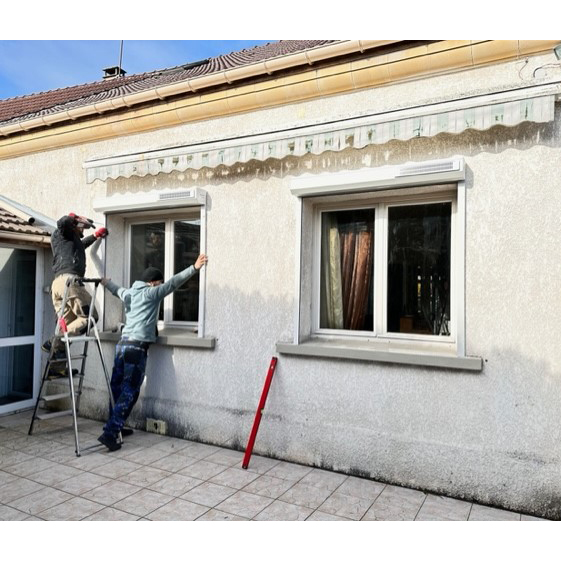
(77, 308)
(126, 380)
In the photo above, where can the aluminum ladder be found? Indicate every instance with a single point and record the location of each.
(73, 375)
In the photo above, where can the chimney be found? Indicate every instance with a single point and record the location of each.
(113, 72)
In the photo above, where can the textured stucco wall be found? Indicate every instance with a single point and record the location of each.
(491, 437)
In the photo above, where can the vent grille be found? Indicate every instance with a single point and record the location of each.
(420, 169)
(176, 195)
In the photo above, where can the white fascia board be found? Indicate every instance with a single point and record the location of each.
(152, 200)
(386, 177)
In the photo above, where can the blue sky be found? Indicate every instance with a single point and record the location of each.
(34, 66)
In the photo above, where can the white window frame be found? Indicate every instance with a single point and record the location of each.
(168, 218)
(380, 277)
(372, 188)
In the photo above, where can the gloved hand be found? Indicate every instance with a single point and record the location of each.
(101, 233)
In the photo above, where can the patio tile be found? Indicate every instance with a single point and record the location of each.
(175, 485)
(285, 470)
(20, 442)
(324, 479)
(7, 435)
(116, 468)
(82, 483)
(33, 519)
(282, 511)
(145, 456)
(24, 469)
(226, 458)
(11, 457)
(396, 503)
(363, 488)
(319, 516)
(41, 447)
(261, 465)
(145, 476)
(109, 514)
(528, 518)
(40, 500)
(443, 508)
(88, 461)
(174, 462)
(305, 495)
(219, 516)
(6, 477)
(199, 451)
(234, 477)
(9, 513)
(487, 513)
(74, 509)
(61, 455)
(346, 506)
(17, 489)
(245, 504)
(111, 492)
(178, 509)
(143, 502)
(208, 494)
(203, 470)
(55, 474)
(268, 486)
(173, 445)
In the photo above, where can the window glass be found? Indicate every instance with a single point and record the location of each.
(187, 237)
(148, 250)
(347, 264)
(17, 292)
(419, 241)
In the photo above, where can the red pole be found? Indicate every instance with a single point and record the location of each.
(259, 413)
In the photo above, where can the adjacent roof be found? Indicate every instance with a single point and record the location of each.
(11, 223)
(45, 103)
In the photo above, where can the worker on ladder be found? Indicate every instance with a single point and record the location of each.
(69, 259)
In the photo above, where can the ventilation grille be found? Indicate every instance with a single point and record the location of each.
(176, 195)
(420, 169)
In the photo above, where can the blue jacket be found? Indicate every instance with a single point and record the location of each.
(142, 303)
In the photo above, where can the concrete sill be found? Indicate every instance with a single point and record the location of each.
(171, 337)
(350, 351)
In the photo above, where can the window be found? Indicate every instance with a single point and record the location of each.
(384, 267)
(171, 245)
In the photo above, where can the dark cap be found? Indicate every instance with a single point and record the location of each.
(152, 274)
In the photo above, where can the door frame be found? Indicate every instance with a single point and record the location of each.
(34, 339)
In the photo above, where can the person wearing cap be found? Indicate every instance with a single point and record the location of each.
(142, 303)
(69, 259)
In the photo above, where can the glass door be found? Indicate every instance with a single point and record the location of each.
(20, 331)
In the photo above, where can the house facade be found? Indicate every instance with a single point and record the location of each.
(379, 215)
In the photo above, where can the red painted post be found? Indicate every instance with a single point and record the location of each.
(259, 413)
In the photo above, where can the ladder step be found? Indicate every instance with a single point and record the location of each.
(55, 396)
(82, 338)
(64, 359)
(54, 414)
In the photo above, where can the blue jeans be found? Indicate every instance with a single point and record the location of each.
(126, 380)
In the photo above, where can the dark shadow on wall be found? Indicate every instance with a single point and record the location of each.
(469, 143)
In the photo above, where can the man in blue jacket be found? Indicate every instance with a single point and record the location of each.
(142, 303)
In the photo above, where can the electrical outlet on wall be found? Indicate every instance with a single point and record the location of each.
(157, 426)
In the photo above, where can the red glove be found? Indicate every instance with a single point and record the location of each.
(101, 233)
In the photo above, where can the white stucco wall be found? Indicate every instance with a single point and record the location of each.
(492, 436)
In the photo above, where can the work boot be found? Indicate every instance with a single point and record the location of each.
(57, 372)
(46, 346)
(110, 442)
(126, 432)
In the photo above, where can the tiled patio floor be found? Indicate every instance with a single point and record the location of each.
(157, 477)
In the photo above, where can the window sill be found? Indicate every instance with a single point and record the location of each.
(352, 350)
(170, 337)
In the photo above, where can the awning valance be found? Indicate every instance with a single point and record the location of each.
(479, 113)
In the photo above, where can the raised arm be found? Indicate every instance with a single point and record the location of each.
(161, 291)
